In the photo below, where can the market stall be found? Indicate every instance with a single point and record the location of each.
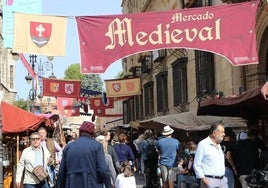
(17, 125)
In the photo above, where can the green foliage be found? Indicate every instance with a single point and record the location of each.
(120, 75)
(92, 82)
(73, 72)
(89, 81)
(21, 103)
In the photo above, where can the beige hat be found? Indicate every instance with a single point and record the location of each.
(167, 130)
(100, 138)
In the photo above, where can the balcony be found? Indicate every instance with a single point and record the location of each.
(146, 63)
(159, 55)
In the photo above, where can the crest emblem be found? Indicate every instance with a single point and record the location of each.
(130, 86)
(54, 87)
(116, 87)
(69, 88)
(40, 33)
(97, 102)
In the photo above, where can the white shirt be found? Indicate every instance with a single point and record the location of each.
(26, 165)
(125, 182)
(209, 159)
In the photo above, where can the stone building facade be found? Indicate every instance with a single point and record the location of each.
(198, 73)
(7, 70)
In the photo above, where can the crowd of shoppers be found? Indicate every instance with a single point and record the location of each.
(108, 160)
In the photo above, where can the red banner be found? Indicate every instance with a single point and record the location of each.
(27, 65)
(65, 107)
(61, 88)
(81, 100)
(101, 112)
(228, 30)
(96, 102)
(117, 111)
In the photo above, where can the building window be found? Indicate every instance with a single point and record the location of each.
(149, 99)
(205, 78)
(179, 69)
(197, 3)
(128, 114)
(162, 92)
(137, 107)
(11, 75)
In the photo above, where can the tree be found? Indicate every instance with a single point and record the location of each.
(73, 72)
(92, 82)
(120, 75)
(88, 81)
(21, 103)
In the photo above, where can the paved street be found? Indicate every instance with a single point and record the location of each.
(140, 181)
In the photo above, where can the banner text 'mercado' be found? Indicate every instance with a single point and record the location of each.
(122, 31)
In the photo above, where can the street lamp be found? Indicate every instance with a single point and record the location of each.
(40, 68)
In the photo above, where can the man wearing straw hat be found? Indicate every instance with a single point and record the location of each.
(168, 148)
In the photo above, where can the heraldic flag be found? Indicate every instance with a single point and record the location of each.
(61, 88)
(122, 87)
(38, 34)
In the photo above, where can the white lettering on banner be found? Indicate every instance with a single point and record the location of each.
(96, 68)
(179, 17)
(122, 30)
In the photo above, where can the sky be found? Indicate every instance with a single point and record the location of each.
(70, 8)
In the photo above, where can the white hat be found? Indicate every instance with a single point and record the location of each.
(100, 138)
(167, 130)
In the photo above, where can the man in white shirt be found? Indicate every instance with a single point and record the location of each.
(209, 163)
(31, 157)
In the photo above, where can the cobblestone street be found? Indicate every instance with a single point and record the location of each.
(140, 181)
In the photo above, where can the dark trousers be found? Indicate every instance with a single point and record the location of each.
(150, 173)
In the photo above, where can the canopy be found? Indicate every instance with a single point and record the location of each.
(190, 122)
(15, 120)
(252, 104)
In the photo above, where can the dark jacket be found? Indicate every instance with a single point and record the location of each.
(83, 165)
(124, 153)
(246, 156)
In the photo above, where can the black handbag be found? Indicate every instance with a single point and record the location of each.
(257, 178)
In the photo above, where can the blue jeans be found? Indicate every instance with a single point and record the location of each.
(40, 185)
(229, 174)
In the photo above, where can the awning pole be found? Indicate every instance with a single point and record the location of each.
(17, 152)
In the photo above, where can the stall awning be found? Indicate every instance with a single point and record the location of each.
(190, 122)
(15, 120)
(252, 104)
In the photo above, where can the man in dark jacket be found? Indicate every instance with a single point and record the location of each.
(246, 155)
(83, 162)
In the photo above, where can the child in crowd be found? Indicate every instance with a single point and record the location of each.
(181, 172)
(126, 178)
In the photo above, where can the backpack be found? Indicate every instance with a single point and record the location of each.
(152, 154)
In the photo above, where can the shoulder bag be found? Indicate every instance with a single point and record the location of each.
(39, 171)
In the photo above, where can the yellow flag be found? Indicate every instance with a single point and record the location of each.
(39, 34)
(122, 87)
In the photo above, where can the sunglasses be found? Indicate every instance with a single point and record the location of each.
(35, 138)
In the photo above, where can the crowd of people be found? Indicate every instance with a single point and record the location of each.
(110, 160)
